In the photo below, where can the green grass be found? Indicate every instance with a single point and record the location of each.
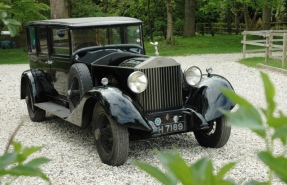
(253, 61)
(198, 45)
(13, 56)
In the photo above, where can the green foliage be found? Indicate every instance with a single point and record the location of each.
(178, 171)
(19, 163)
(27, 10)
(15, 163)
(85, 8)
(10, 23)
(247, 116)
(274, 128)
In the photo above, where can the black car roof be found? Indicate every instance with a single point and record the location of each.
(87, 21)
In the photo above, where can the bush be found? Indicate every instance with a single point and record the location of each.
(16, 163)
(246, 116)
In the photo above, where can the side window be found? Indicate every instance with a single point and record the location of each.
(32, 39)
(42, 34)
(60, 42)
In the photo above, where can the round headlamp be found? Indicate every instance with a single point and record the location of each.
(192, 75)
(137, 82)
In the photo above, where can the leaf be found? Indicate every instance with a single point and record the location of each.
(246, 116)
(277, 164)
(3, 15)
(201, 171)
(177, 166)
(27, 152)
(35, 163)
(281, 133)
(13, 21)
(22, 170)
(7, 159)
(156, 173)
(226, 168)
(269, 93)
(12, 30)
(17, 146)
(277, 122)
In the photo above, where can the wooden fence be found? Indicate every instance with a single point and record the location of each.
(271, 40)
(221, 27)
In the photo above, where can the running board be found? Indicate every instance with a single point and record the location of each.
(55, 109)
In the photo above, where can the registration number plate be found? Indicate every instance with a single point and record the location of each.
(170, 128)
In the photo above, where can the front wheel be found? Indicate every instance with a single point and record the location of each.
(216, 136)
(111, 138)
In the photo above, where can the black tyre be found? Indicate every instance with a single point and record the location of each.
(216, 136)
(112, 139)
(35, 113)
(79, 82)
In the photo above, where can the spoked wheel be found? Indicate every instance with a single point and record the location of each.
(79, 82)
(111, 138)
(216, 136)
(74, 92)
(35, 113)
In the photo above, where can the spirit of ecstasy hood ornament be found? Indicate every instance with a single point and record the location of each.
(155, 47)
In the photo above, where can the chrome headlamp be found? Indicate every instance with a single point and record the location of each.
(137, 82)
(192, 75)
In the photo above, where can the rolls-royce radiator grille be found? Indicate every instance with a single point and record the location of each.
(164, 89)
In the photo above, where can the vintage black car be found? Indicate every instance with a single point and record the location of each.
(94, 71)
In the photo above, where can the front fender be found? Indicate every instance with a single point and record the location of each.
(118, 105)
(208, 99)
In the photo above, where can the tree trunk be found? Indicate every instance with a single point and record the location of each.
(189, 18)
(247, 18)
(60, 9)
(236, 17)
(169, 30)
(266, 17)
(229, 20)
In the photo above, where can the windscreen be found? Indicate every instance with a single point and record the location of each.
(85, 37)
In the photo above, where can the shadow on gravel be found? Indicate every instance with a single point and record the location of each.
(82, 138)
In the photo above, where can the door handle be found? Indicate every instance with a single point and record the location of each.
(49, 62)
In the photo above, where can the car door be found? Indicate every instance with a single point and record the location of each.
(60, 58)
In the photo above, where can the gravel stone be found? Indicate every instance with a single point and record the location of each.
(73, 153)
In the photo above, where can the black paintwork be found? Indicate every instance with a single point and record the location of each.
(47, 80)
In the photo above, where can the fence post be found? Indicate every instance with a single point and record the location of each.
(244, 45)
(284, 50)
(271, 43)
(267, 48)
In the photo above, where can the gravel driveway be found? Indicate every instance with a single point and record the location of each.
(74, 156)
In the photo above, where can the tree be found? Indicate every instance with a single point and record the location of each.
(189, 18)
(60, 9)
(169, 29)
(266, 17)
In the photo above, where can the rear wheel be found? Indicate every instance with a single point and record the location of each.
(111, 138)
(35, 113)
(216, 136)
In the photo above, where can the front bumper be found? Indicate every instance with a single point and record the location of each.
(176, 121)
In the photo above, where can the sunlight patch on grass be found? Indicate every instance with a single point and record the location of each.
(253, 61)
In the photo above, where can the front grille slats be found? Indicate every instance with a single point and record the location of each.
(164, 89)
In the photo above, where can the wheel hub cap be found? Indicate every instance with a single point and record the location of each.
(98, 134)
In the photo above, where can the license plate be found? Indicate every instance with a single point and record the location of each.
(170, 128)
